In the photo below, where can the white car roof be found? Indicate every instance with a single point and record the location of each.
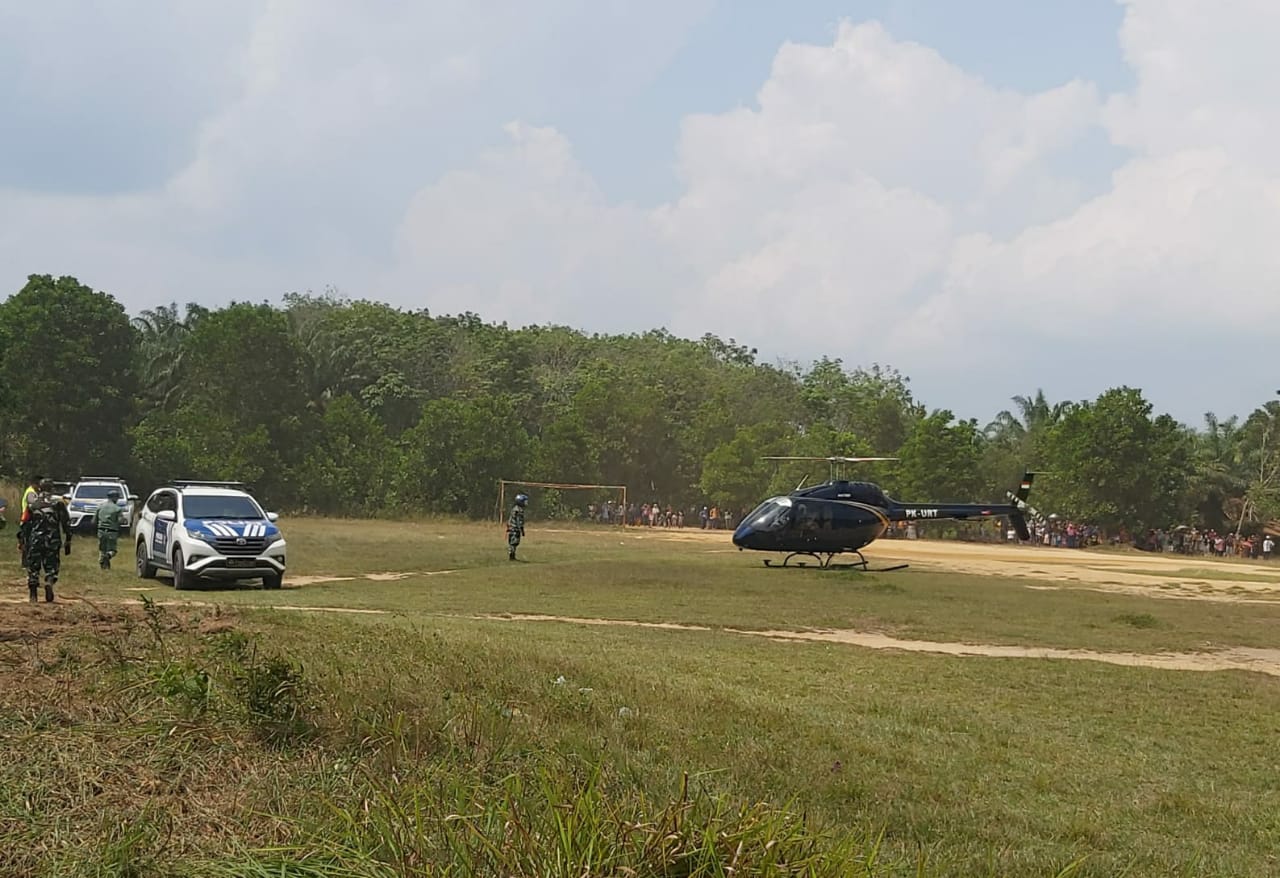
(214, 492)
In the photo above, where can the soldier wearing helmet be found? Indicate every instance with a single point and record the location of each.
(515, 525)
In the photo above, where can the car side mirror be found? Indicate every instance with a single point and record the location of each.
(166, 515)
(271, 516)
(133, 498)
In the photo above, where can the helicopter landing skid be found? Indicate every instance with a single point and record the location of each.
(825, 563)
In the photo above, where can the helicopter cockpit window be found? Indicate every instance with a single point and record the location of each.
(772, 513)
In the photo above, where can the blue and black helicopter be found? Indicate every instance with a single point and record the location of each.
(838, 516)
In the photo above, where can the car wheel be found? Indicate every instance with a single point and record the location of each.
(146, 569)
(181, 580)
(274, 580)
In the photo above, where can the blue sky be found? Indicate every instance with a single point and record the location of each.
(992, 196)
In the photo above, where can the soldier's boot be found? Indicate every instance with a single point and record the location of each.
(49, 583)
(32, 589)
(104, 561)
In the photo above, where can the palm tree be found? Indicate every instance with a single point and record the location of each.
(1260, 456)
(1034, 416)
(163, 331)
(329, 367)
(1218, 480)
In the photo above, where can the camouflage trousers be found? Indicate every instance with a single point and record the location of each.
(513, 540)
(46, 559)
(108, 543)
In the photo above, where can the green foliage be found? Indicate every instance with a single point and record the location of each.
(349, 466)
(1260, 464)
(271, 690)
(1123, 467)
(358, 408)
(184, 684)
(876, 404)
(735, 474)
(67, 372)
(452, 459)
(941, 460)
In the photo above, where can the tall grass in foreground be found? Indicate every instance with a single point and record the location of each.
(181, 742)
(139, 770)
(549, 825)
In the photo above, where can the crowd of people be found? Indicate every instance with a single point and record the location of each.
(1181, 540)
(1191, 541)
(707, 517)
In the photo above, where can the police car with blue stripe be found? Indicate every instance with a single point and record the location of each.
(208, 530)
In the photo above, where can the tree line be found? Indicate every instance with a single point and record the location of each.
(357, 408)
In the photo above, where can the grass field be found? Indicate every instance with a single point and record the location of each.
(409, 704)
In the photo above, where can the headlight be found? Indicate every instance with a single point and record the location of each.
(274, 538)
(204, 538)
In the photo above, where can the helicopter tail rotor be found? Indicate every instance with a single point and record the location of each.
(1018, 517)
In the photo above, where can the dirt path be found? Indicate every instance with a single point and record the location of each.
(1266, 661)
(1125, 572)
(1148, 575)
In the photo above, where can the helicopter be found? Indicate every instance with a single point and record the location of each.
(838, 516)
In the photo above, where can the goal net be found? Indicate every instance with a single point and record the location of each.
(598, 504)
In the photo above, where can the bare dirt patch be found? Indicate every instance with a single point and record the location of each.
(1139, 573)
(23, 621)
(390, 576)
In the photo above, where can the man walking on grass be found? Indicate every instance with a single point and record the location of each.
(107, 518)
(44, 535)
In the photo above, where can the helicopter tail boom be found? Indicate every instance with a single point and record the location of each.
(1014, 511)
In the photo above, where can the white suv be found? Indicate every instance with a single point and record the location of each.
(213, 530)
(91, 492)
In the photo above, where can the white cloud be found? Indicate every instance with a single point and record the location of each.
(893, 207)
(1183, 242)
(835, 200)
(1206, 71)
(328, 117)
(527, 236)
(874, 197)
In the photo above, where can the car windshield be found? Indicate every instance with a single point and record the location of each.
(221, 507)
(96, 492)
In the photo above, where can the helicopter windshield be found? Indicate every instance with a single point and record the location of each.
(771, 514)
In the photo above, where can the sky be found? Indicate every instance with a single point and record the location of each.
(992, 197)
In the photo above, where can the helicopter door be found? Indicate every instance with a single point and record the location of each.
(811, 520)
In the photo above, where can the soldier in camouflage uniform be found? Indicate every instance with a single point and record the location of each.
(46, 532)
(107, 518)
(515, 525)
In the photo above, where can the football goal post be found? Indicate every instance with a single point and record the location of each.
(549, 500)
